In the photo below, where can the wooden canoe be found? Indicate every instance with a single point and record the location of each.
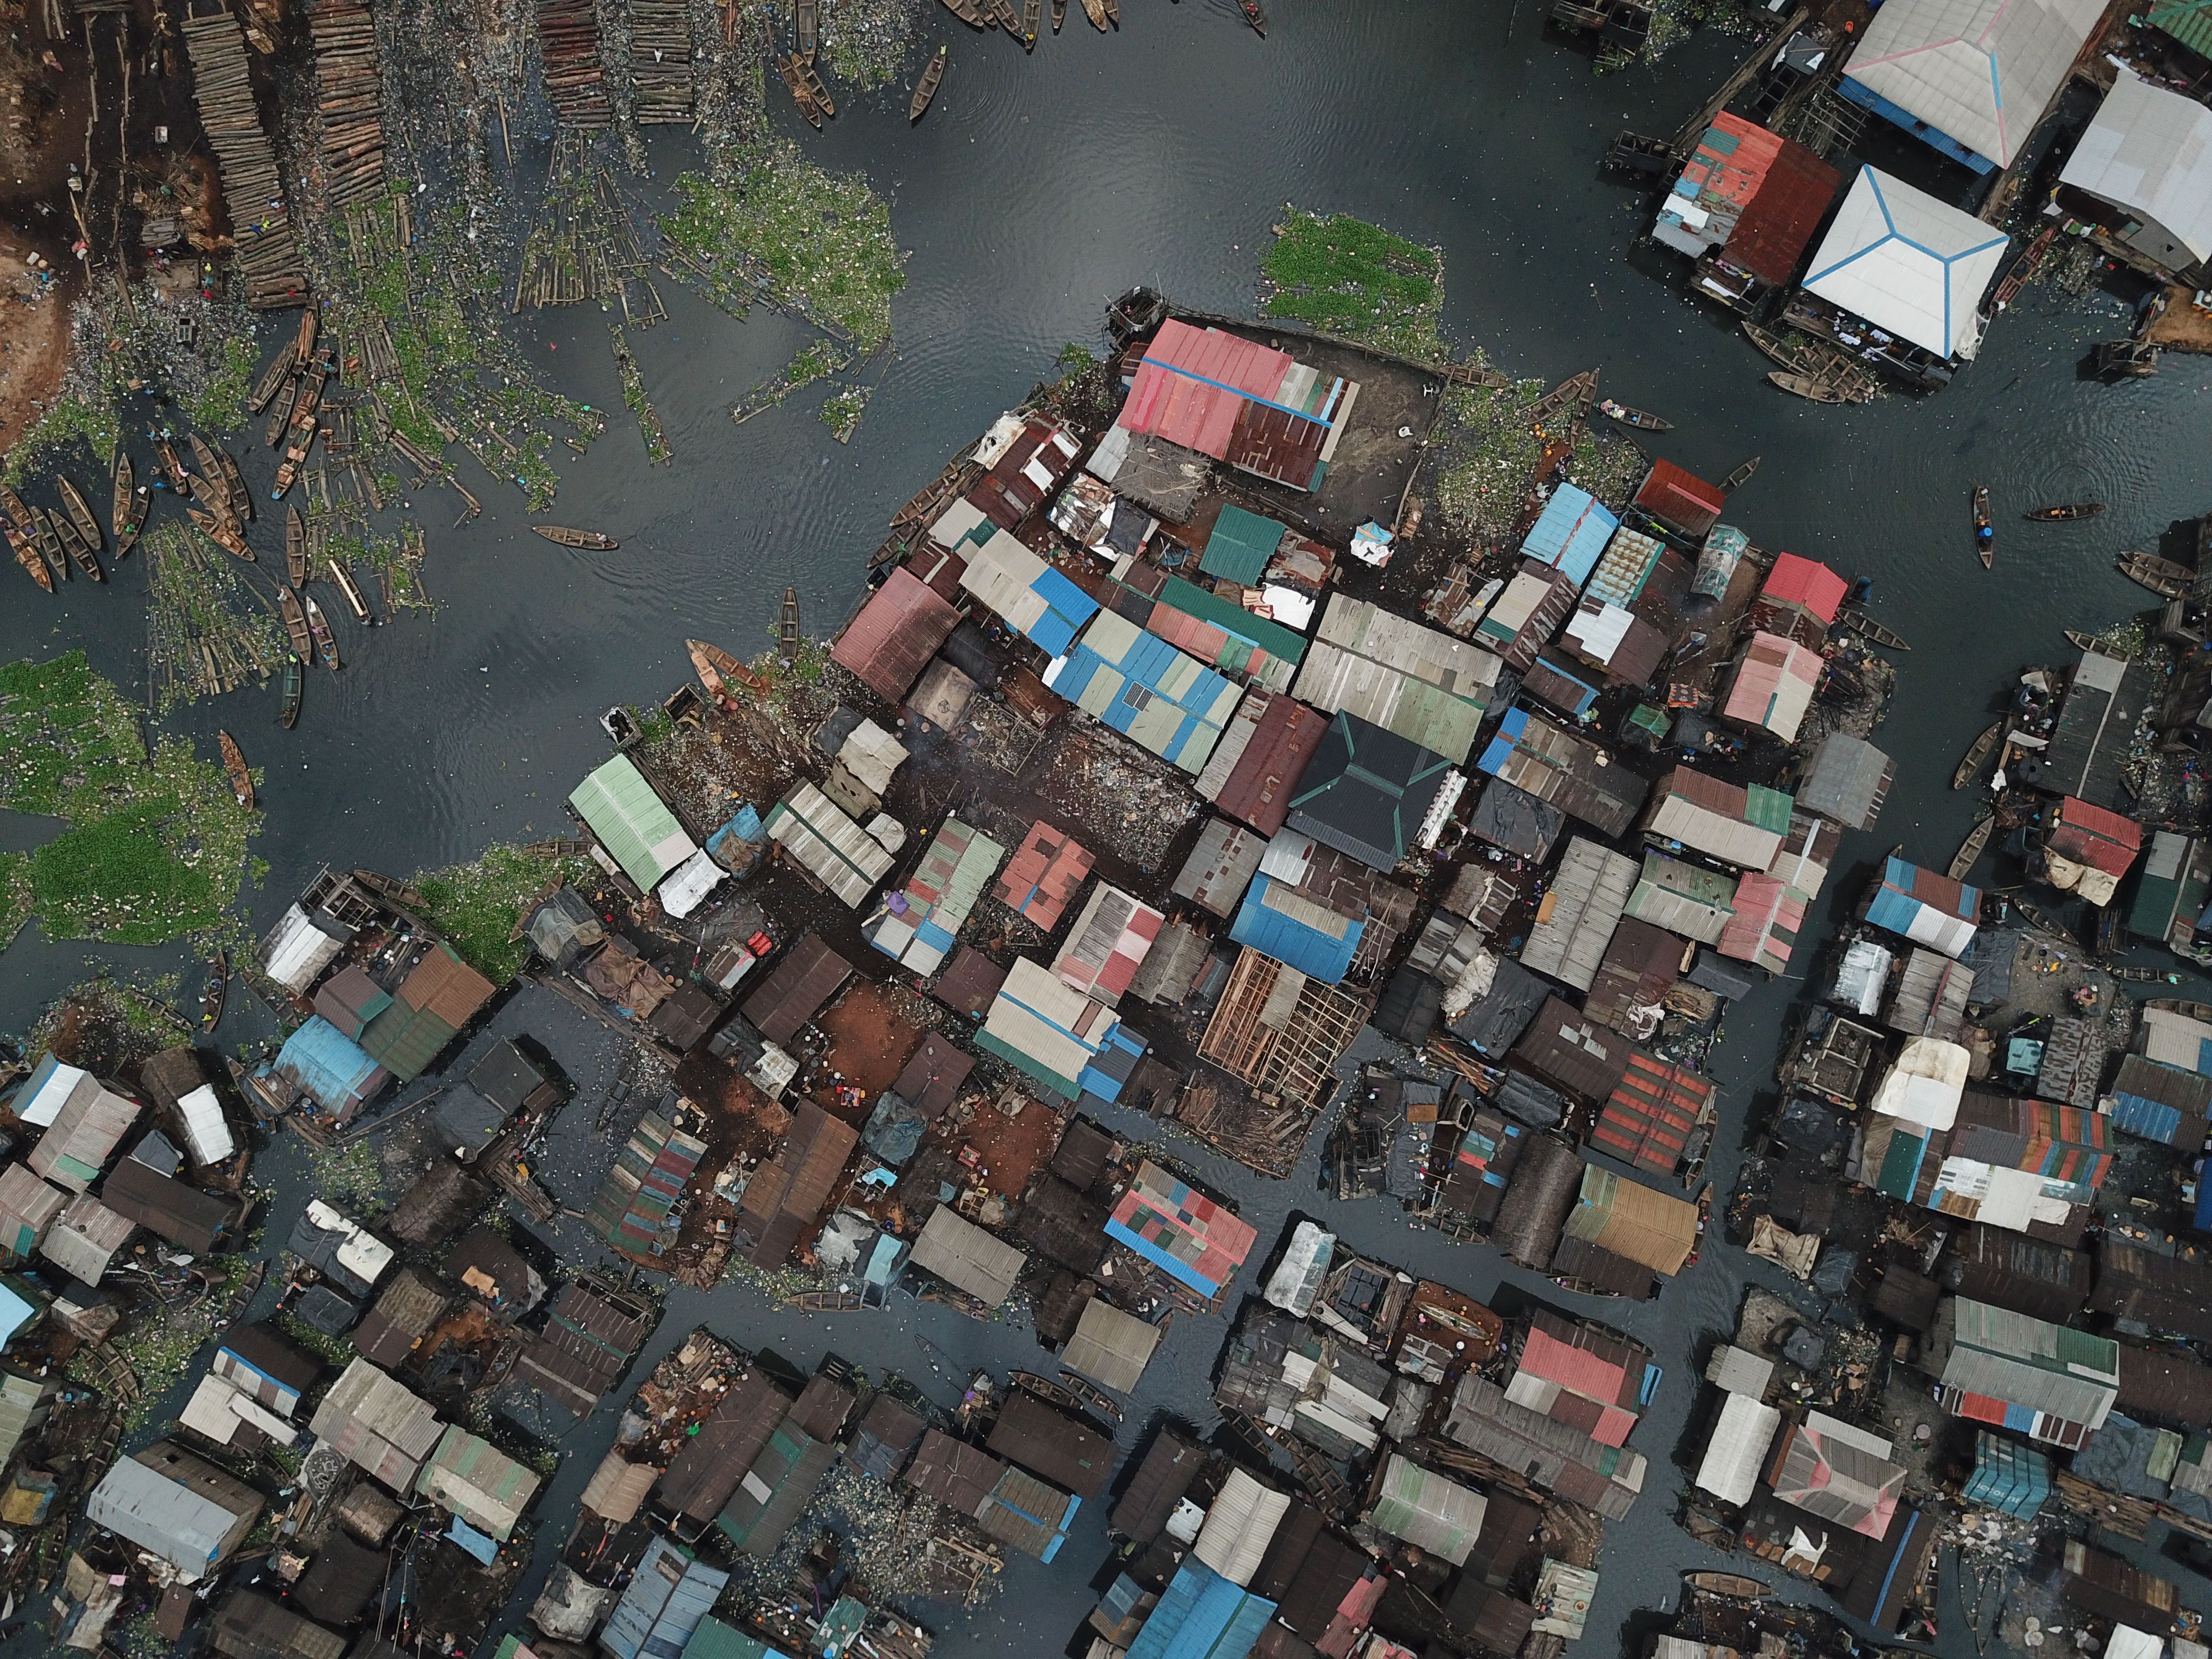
(325, 641)
(933, 74)
(1867, 627)
(1059, 14)
(2145, 975)
(1805, 386)
(808, 25)
(27, 556)
(815, 89)
(295, 624)
(359, 606)
(561, 533)
(1094, 9)
(218, 979)
(1254, 16)
(210, 469)
(971, 14)
(233, 762)
(2162, 576)
(1032, 15)
(295, 547)
(1636, 417)
(2063, 515)
(241, 498)
(1113, 10)
(1977, 755)
(2180, 1006)
(1970, 849)
(1734, 1584)
(786, 628)
(1096, 1398)
(295, 683)
(42, 532)
(17, 509)
(720, 674)
(180, 478)
(1741, 475)
(271, 379)
(1985, 539)
(295, 457)
(281, 412)
(223, 533)
(129, 520)
(80, 551)
(1002, 14)
(788, 68)
(79, 512)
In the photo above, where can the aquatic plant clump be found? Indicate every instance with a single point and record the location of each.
(155, 850)
(477, 906)
(1486, 450)
(1348, 277)
(782, 228)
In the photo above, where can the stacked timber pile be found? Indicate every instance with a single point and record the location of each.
(349, 94)
(661, 60)
(261, 231)
(568, 36)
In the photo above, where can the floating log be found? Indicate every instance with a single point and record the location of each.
(575, 79)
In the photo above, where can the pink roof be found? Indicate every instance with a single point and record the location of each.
(1104, 967)
(1046, 871)
(1580, 1371)
(1764, 929)
(1193, 383)
(1806, 583)
(1758, 695)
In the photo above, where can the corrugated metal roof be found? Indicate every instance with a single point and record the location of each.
(1768, 916)
(1108, 944)
(27, 1207)
(1774, 685)
(1424, 685)
(1240, 545)
(1630, 558)
(1572, 533)
(632, 823)
(186, 1217)
(1219, 630)
(1807, 584)
(1978, 71)
(1366, 790)
(954, 868)
(1685, 899)
(1907, 262)
(1676, 496)
(2186, 20)
(1631, 1219)
(1924, 906)
(1652, 1113)
(183, 1510)
(1046, 871)
(1847, 780)
(965, 1256)
(1772, 236)
(83, 1135)
(1578, 777)
(1725, 819)
(378, 1424)
(820, 837)
(1239, 1525)
(84, 1236)
(1221, 867)
(473, 1478)
(1279, 922)
(1110, 1347)
(1165, 1221)
(956, 1475)
(1425, 1509)
(1201, 1615)
(1576, 918)
(2012, 1359)
(895, 635)
(1141, 686)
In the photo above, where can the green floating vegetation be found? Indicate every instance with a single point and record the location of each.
(658, 452)
(351, 1176)
(476, 906)
(1486, 450)
(67, 421)
(220, 400)
(778, 227)
(1347, 276)
(817, 362)
(841, 410)
(155, 850)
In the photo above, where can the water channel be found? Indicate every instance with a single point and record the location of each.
(1036, 189)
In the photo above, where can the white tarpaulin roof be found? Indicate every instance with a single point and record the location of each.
(2150, 151)
(682, 888)
(1978, 71)
(1907, 262)
(1925, 1086)
(1737, 1450)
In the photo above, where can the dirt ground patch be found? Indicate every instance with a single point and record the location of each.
(1008, 1150)
(870, 1040)
(34, 336)
(2182, 325)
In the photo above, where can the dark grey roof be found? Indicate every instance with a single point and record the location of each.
(2096, 725)
(1517, 820)
(1408, 1008)
(1847, 781)
(1366, 791)
(507, 1077)
(467, 1122)
(1493, 1023)
(1722, 976)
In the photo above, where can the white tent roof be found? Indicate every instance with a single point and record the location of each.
(1737, 1451)
(1907, 262)
(1978, 71)
(2150, 151)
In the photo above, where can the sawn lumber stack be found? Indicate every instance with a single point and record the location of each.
(261, 230)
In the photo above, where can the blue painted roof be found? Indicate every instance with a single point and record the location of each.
(328, 1064)
(656, 1616)
(1572, 532)
(1294, 940)
(16, 1311)
(1201, 1615)
(2007, 1476)
(1147, 660)
(2152, 1120)
(1072, 607)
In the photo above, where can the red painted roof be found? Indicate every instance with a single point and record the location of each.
(1653, 1110)
(1765, 927)
(1681, 499)
(895, 633)
(1258, 791)
(1806, 583)
(1770, 238)
(2090, 835)
(1182, 407)
(1046, 871)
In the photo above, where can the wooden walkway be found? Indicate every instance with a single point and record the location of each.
(268, 252)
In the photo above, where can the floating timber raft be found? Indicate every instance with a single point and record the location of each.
(575, 80)
(349, 96)
(660, 61)
(268, 253)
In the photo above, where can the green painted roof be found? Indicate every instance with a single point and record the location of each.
(405, 1041)
(1192, 600)
(715, 1640)
(632, 823)
(1240, 546)
(1651, 718)
(2189, 21)
(1769, 808)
